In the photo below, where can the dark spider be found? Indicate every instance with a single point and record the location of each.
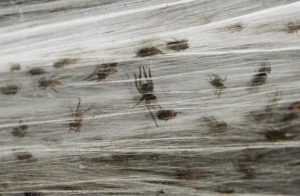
(32, 194)
(101, 74)
(161, 192)
(295, 107)
(149, 51)
(20, 130)
(187, 174)
(64, 62)
(49, 83)
(218, 82)
(15, 67)
(225, 189)
(147, 91)
(214, 124)
(178, 45)
(282, 134)
(21, 156)
(166, 114)
(76, 124)
(36, 71)
(261, 77)
(10, 89)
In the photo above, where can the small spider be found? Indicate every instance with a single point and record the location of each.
(32, 194)
(178, 45)
(101, 74)
(225, 189)
(161, 192)
(295, 107)
(64, 62)
(76, 124)
(36, 71)
(216, 81)
(187, 174)
(214, 124)
(149, 51)
(261, 77)
(293, 27)
(15, 67)
(275, 135)
(21, 156)
(147, 91)
(10, 89)
(20, 130)
(166, 114)
(49, 83)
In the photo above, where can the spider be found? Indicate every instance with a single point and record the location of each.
(166, 114)
(218, 82)
(146, 89)
(178, 45)
(261, 77)
(214, 124)
(10, 89)
(36, 71)
(49, 82)
(77, 115)
(149, 51)
(101, 74)
(15, 67)
(64, 62)
(19, 131)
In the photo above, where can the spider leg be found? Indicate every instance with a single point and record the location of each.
(54, 89)
(78, 105)
(71, 111)
(136, 82)
(145, 73)
(141, 99)
(219, 92)
(152, 115)
(53, 76)
(150, 78)
(91, 75)
(88, 109)
(209, 77)
(140, 76)
(71, 129)
(140, 72)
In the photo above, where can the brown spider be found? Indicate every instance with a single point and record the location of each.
(178, 45)
(9, 89)
(147, 91)
(225, 189)
(36, 71)
(19, 131)
(63, 62)
(108, 69)
(261, 77)
(77, 115)
(295, 107)
(15, 67)
(166, 114)
(214, 124)
(218, 82)
(49, 83)
(281, 134)
(149, 51)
